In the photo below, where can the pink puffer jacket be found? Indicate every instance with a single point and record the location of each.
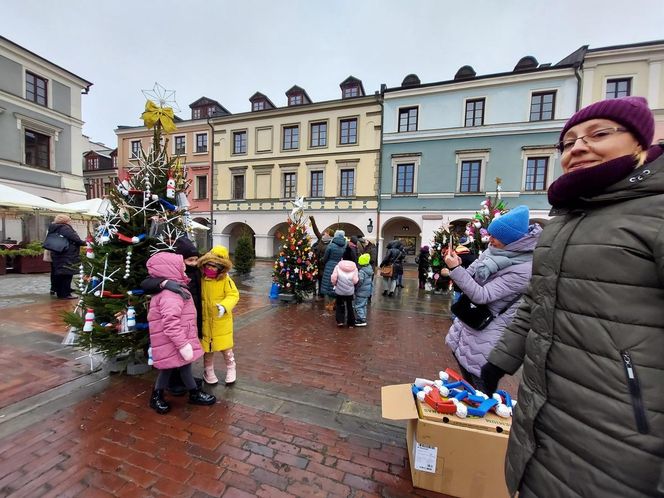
(172, 318)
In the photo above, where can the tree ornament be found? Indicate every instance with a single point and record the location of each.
(89, 320)
(89, 250)
(131, 318)
(170, 187)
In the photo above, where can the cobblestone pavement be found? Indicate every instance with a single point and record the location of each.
(302, 420)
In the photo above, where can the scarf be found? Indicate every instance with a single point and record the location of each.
(589, 182)
(494, 260)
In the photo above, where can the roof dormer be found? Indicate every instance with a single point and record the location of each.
(206, 108)
(351, 87)
(260, 102)
(297, 96)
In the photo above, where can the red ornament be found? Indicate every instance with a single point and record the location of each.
(292, 248)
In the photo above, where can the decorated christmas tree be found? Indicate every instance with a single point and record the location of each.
(437, 250)
(295, 270)
(146, 213)
(491, 208)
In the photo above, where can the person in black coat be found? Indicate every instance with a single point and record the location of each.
(65, 263)
(423, 265)
(150, 285)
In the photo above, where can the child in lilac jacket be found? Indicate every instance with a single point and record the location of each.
(173, 332)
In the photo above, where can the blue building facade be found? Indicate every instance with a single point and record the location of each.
(445, 143)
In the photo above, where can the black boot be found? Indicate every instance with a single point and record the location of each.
(198, 397)
(158, 403)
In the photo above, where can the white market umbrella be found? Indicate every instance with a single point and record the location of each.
(11, 197)
(90, 207)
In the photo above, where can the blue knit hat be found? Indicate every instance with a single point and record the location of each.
(511, 226)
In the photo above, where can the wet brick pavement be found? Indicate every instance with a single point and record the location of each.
(303, 419)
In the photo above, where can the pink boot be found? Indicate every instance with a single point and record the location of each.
(208, 369)
(231, 373)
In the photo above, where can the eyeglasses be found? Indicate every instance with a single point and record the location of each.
(591, 138)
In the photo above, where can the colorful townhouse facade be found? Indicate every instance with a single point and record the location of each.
(445, 143)
(40, 132)
(325, 152)
(192, 141)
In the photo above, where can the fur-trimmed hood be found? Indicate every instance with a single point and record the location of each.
(217, 256)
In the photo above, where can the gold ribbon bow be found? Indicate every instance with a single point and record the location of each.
(154, 114)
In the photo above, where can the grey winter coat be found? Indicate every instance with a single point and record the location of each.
(472, 347)
(63, 263)
(590, 336)
(333, 254)
(365, 283)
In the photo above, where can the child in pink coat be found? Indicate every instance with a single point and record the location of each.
(344, 277)
(173, 332)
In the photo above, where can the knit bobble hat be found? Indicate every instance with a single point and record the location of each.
(631, 112)
(511, 226)
(364, 260)
(186, 248)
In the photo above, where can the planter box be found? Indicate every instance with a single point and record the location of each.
(31, 264)
(3, 265)
(287, 298)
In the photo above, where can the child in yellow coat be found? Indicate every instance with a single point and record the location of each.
(219, 295)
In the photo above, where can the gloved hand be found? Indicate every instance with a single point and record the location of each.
(187, 352)
(221, 309)
(491, 375)
(177, 288)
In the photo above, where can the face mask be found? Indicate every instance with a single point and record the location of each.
(210, 272)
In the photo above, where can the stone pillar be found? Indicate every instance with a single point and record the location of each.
(264, 246)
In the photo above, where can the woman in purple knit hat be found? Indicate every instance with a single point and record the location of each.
(590, 333)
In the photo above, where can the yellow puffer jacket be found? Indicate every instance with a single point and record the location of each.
(218, 332)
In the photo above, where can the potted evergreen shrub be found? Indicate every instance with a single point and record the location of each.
(29, 259)
(243, 259)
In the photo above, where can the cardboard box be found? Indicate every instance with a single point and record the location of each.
(447, 458)
(490, 422)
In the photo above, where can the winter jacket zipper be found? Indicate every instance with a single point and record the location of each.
(635, 393)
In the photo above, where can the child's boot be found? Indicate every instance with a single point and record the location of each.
(198, 397)
(208, 369)
(231, 373)
(158, 403)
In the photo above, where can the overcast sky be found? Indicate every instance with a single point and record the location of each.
(229, 50)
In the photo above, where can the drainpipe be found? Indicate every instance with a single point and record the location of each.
(381, 99)
(577, 73)
(210, 237)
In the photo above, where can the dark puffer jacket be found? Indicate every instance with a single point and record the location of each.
(590, 336)
(333, 254)
(63, 263)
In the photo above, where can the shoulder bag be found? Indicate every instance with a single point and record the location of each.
(476, 316)
(56, 243)
(387, 271)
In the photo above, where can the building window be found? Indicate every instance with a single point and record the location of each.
(238, 187)
(536, 172)
(318, 134)
(201, 187)
(201, 142)
(316, 184)
(408, 119)
(35, 89)
(210, 111)
(196, 113)
(474, 112)
(239, 142)
(347, 183)
(291, 139)
(405, 178)
(135, 149)
(619, 87)
(92, 163)
(180, 145)
(542, 105)
(348, 131)
(295, 99)
(290, 186)
(470, 176)
(37, 149)
(258, 105)
(351, 91)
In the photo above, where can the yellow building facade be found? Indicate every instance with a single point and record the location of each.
(325, 152)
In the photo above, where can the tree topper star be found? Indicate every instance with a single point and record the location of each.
(162, 97)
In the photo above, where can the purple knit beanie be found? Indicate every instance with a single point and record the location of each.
(631, 112)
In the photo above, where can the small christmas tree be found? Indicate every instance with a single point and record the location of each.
(146, 213)
(243, 259)
(476, 230)
(439, 245)
(295, 270)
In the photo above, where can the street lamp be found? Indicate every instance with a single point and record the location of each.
(370, 226)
